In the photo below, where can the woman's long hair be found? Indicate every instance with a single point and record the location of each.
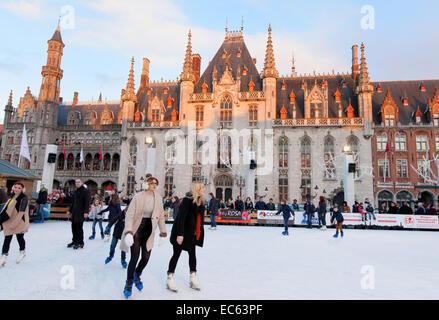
(196, 193)
(114, 199)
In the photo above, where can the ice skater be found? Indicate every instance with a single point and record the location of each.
(113, 207)
(187, 233)
(287, 213)
(15, 220)
(97, 217)
(338, 217)
(119, 220)
(144, 213)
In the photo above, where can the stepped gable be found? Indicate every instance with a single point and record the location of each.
(82, 108)
(158, 89)
(334, 82)
(399, 90)
(231, 46)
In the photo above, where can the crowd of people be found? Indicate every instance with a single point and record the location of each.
(136, 217)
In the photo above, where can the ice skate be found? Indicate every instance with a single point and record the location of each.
(91, 237)
(137, 282)
(283, 233)
(127, 291)
(341, 234)
(108, 260)
(335, 235)
(21, 256)
(3, 260)
(123, 262)
(193, 282)
(170, 283)
(102, 236)
(323, 227)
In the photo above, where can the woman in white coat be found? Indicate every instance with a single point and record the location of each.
(144, 213)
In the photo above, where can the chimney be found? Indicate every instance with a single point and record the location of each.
(75, 98)
(355, 66)
(144, 78)
(196, 65)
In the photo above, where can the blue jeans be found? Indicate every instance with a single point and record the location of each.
(286, 223)
(310, 218)
(371, 214)
(212, 221)
(113, 247)
(100, 225)
(40, 211)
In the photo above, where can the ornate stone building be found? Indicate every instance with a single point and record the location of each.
(295, 126)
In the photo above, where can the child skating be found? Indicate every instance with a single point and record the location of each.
(287, 212)
(338, 217)
(96, 212)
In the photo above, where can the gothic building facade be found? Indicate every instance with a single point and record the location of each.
(297, 126)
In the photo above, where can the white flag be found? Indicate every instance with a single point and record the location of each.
(81, 157)
(24, 149)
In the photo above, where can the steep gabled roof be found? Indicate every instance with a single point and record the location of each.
(231, 46)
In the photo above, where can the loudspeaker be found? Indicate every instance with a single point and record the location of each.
(351, 167)
(51, 158)
(253, 164)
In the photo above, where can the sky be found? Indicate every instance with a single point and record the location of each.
(101, 36)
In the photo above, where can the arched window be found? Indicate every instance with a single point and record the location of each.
(107, 162)
(385, 197)
(253, 116)
(133, 153)
(88, 161)
(61, 160)
(382, 142)
(404, 196)
(10, 138)
(283, 152)
(89, 139)
(80, 138)
(30, 137)
(199, 116)
(107, 139)
(96, 162)
(72, 139)
(115, 162)
(226, 112)
(305, 153)
(98, 139)
(224, 151)
(116, 138)
(329, 157)
(70, 160)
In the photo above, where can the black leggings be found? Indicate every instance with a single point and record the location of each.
(176, 255)
(8, 239)
(140, 239)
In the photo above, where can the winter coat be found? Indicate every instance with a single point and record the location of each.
(96, 212)
(295, 206)
(119, 220)
(393, 210)
(310, 208)
(42, 197)
(405, 210)
(337, 215)
(239, 205)
(114, 210)
(286, 211)
(322, 208)
(185, 225)
(80, 204)
(369, 207)
(421, 211)
(18, 212)
(134, 217)
(260, 205)
(270, 206)
(432, 211)
(213, 207)
(175, 206)
(248, 206)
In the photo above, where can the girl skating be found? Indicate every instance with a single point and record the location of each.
(187, 233)
(119, 220)
(338, 217)
(97, 217)
(287, 213)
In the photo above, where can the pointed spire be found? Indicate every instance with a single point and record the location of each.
(10, 99)
(100, 97)
(364, 74)
(129, 91)
(269, 64)
(188, 74)
(57, 34)
(293, 67)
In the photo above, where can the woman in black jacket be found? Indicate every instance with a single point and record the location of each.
(119, 220)
(188, 232)
(113, 208)
(321, 211)
(248, 205)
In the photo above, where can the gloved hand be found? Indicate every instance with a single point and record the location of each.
(129, 240)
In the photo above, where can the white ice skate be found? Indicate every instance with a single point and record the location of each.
(323, 227)
(21, 256)
(193, 282)
(3, 260)
(170, 283)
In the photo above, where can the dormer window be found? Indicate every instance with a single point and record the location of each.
(422, 87)
(244, 71)
(165, 91)
(418, 120)
(379, 89)
(405, 101)
(316, 110)
(389, 120)
(436, 119)
(155, 115)
(284, 86)
(238, 54)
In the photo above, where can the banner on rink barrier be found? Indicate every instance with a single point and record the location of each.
(385, 220)
(233, 216)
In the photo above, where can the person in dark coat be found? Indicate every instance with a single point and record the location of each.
(41, 202)
(405, 209)
(113, 207)
(421, 209)
(78, 212)
(260, 205)
(321, 211)
(309, 209)
(229, 204)
(248, 205)
(432, 210)
(212, 209)
(393, 208)
(187, 233)
(287, 212)
(270, 205)
(175, 205)
(119, 222)
(239, 205)
(337, 216)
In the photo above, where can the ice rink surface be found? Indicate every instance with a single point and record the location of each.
(235, 263)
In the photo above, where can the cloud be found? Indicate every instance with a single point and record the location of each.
(31, 9)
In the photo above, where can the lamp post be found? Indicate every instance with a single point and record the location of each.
(348, 175)
(150, 155)
(240, 182)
